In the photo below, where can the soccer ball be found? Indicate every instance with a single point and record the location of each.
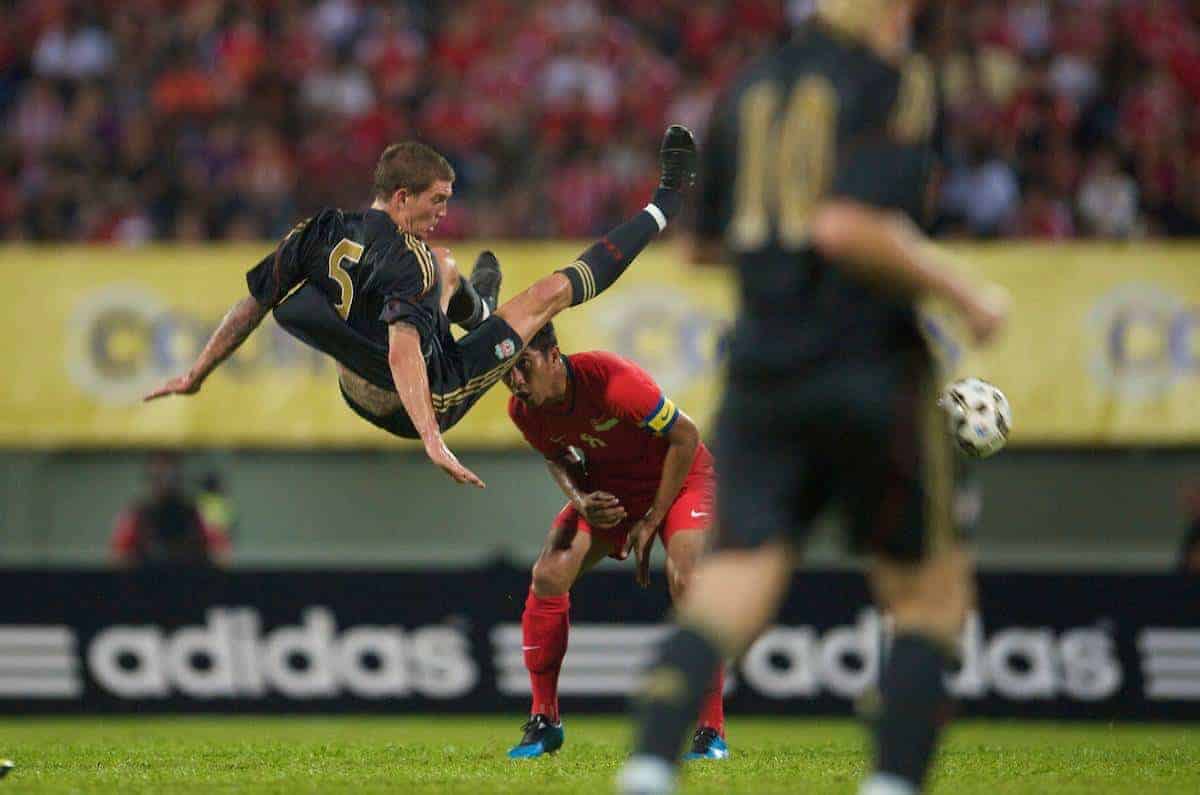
(978, 416)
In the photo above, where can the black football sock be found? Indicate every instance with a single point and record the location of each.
(670, 699)
(466, 307)
(915, 706)
(603, 263)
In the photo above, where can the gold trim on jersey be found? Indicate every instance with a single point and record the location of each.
(586, 277)
(913, 116)
(480, 383)
(424, 260)
(296, 229)
(937, 472)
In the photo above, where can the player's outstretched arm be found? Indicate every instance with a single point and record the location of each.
(683, 439)
(412, 384)
(242, 318)
(887, 248)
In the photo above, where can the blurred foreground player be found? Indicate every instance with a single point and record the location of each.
(633, 467)
(366, 289)
(830, 394)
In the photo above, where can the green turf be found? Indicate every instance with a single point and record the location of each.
(443, 755)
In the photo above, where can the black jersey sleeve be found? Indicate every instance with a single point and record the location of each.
(889, 163)
(886, 174)
(281, 271)
(716, 176)
(405, 276)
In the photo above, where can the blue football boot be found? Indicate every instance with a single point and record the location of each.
(707, 744)
(541, 737)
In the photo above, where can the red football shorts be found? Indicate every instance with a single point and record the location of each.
(692, 510)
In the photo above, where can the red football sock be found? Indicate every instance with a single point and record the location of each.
(544, 627)
(712, 708)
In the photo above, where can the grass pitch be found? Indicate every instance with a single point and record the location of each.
(466, 755)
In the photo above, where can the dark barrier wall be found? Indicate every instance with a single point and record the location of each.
(1053, 510)
(1071, 646)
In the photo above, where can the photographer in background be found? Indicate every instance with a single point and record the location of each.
(166, 528)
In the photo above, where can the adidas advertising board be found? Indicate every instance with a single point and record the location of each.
(1055, 646)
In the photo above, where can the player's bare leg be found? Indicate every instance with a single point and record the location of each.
(928, 602)
(733, 594)
(683, 553)
(731, 598)
(932, 597)
(468, 302)
(602, 264)
(545, 624)
(565, 557)
(536, 305)
(450, 278)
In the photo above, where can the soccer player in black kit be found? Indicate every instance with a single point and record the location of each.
(366, 289)
(815, 163)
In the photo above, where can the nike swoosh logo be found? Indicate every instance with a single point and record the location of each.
(605, 425)
(698, 515)
(530, 648)
(558, 439)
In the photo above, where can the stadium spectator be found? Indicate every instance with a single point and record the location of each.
(1108, 198)
(208, 119)
(165, 527)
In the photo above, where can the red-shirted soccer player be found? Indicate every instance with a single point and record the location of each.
(644, 472)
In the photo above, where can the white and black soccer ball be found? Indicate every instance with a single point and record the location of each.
(978, 416)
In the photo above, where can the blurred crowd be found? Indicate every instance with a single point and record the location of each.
(134, 120)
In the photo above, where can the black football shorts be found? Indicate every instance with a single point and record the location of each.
(869, 440)
(460, 372)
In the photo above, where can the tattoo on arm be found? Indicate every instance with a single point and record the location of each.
(242, 318)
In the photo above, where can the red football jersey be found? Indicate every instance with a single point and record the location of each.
(617, 416)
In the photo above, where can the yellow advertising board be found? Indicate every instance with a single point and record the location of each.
(88, 331)
(1104, 347)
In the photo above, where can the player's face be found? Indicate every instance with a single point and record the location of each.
(425, 209)
(533, 379)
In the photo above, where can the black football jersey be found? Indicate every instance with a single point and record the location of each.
(822, 117)
(370, 272)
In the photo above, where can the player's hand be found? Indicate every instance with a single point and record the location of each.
(986, 312)
(601, 509)
(641, 541)
(186, 384)
(446, 461)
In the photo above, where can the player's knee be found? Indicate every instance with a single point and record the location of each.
(549, 579)
(678, 576)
